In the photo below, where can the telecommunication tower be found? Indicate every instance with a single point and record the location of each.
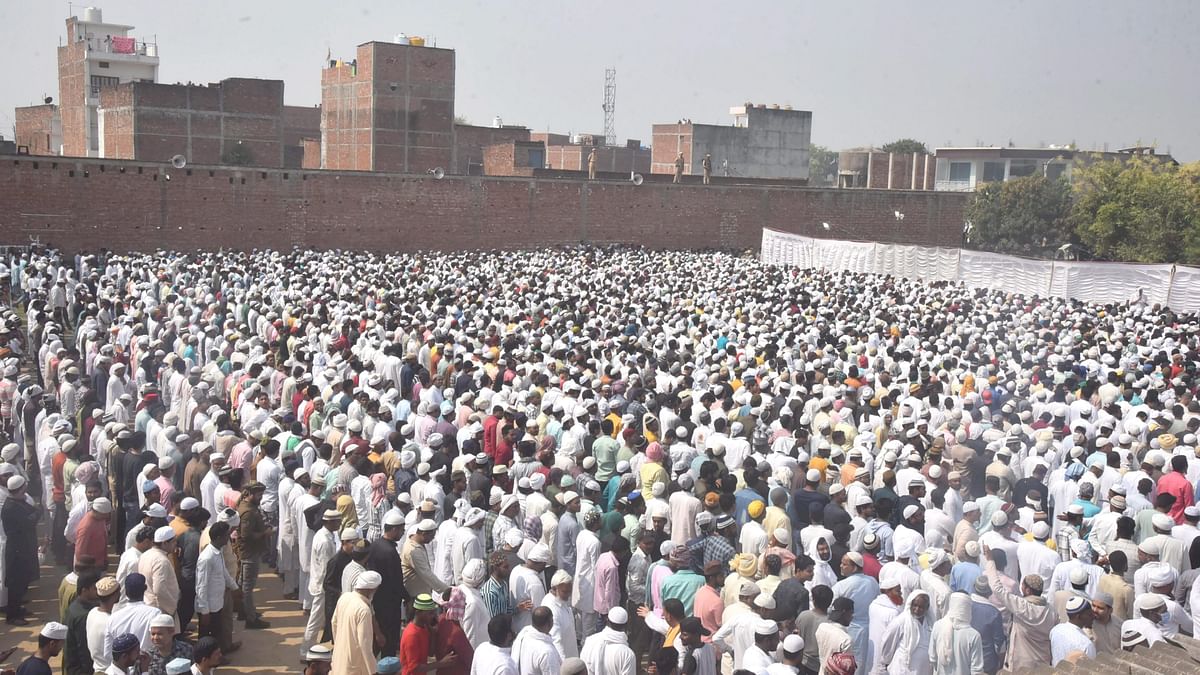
(610, 106)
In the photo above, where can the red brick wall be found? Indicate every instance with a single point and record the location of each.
(35, 126)
(668, 140)
(300, 123)
(312, 153)
(470, 141)
(72, 93)
(117, 111)
(346, 115)
(110, 204)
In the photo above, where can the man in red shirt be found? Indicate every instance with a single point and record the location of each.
(417, 639)
(1176, 484)
(504, 449)
(58, 494)
(489, 432)
(91, 539)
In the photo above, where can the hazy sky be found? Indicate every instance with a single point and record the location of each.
(944, 72)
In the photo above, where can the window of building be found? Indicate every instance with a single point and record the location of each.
(537, 158)
(993, 171)
(100, 81)
(103, 64)
(1018, 168)
(960, 172)
(1055, 170)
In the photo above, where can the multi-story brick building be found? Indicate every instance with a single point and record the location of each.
(391, 108)
(111, 105)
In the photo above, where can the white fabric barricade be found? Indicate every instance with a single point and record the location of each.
(1175, 286)
(1004, 273)
(1111, 282)
(1185, 289)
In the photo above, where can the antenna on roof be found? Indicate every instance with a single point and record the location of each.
(610, 106)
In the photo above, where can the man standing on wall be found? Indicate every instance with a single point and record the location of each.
(678, 169)
(706, 164)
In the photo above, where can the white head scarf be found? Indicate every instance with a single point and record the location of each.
(957, 618)
(474, 573)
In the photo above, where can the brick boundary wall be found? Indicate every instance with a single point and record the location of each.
(85, 204)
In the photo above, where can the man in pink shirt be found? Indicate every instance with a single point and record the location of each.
(1177, 485)
(708, 606)
(607, 593)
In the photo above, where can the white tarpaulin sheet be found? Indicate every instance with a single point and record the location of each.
(1004, 273)
(1111, 282)
(1185, 289)
(1176, 286)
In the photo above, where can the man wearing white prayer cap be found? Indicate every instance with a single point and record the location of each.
(1068, 640)
(353, 627)
(862, 589)
(50, 645)
(608, 650)
(157, 565)
(419, 576)
(526, 585)
(559, 602)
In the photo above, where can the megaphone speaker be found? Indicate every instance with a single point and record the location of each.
(179, 161)
(636, 179)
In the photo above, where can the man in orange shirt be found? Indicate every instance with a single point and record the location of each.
(91, 539)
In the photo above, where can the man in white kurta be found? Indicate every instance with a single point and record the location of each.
(534, 648)
(325, 545)
(583, 592)
(475, 613)
(559, 602)
(468, 542)
(305, 535)
(883, 610)
(526, 585)
(608, 651)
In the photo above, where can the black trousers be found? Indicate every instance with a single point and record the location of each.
(58, 540)
(187, 606)
(16, 599)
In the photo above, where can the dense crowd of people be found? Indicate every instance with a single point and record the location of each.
(588, 460)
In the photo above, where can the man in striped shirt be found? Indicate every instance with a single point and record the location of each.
(495, 590)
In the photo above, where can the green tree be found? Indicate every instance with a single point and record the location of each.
(1027, 216)
(822, 166)
(1140, 210)
(906, 146)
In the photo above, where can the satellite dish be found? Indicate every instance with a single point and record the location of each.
(636, 178)
(179, 161)
(438, 173)
(48, 100)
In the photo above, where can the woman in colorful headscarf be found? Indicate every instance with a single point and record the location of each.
(905, 649)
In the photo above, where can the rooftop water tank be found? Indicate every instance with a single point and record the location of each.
(151, 50)
(497, 122)
(93, 15)
(401, 39)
